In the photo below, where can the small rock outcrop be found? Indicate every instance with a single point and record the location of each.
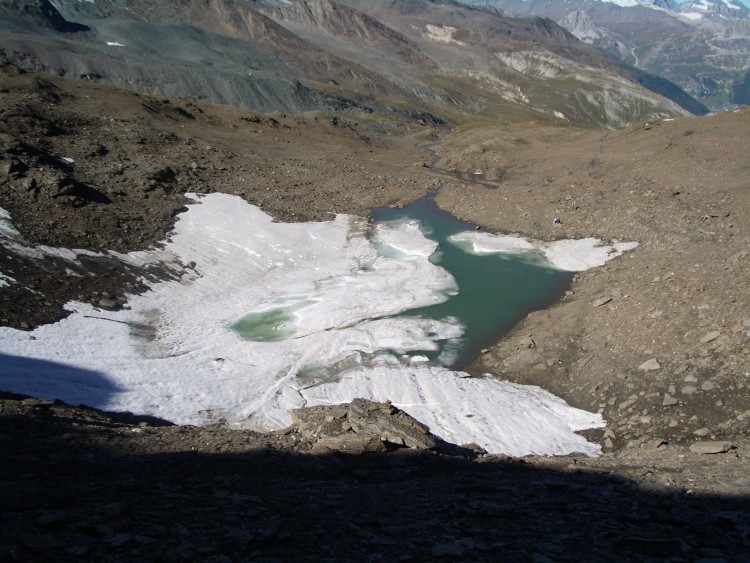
(359, 427)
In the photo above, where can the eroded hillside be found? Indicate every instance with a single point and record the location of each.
(437, 63)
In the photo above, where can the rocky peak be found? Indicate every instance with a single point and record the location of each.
(732, 9)
(338, 20)
(580, 24)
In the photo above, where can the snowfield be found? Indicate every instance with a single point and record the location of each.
(320, 298)
(571, 255)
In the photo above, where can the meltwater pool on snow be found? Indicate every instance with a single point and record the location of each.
(490, 294)
(336, 310)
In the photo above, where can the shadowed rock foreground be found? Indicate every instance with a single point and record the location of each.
(77, 483)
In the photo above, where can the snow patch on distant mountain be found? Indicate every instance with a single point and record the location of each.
(441, 33)
(687, 9)
(626, 3)
(704, 5)
(723, 8)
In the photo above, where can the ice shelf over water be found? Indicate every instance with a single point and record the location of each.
(321, 297)
(573, 255)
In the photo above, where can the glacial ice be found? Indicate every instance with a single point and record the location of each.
(573, 255)
(336, 284)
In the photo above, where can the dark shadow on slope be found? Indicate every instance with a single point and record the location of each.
(741, 91)
(669, 90)
(53, 380)
(36, 14)
(54, 19)
(139, 493)
(80, 193)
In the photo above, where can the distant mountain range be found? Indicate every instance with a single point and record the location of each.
(384, 63)
(702, 46)
(686, 8)
(695, 10)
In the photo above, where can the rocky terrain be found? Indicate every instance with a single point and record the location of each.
(701, 46)
(362, 60)
(657, 340)
(337, 485)
(130, 160)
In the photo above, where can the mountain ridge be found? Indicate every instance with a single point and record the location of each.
(317, 54)
(700, 46)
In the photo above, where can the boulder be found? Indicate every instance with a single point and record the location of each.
(392, 424)
(711, 447)
(359, 427)
(650, 365)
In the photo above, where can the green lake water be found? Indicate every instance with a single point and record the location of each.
(495, 291)
(272, 325)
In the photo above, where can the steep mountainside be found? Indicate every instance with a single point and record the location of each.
(473, 75)
(35, 14)
(337, 20)
(539, 42)
(701, 46)
(426, 62)
(222, 52)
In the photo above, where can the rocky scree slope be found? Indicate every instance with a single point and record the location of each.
(220, 52)
(359, 481)
(313, 54)
(94, 168)
(701, 47)
(658, 341)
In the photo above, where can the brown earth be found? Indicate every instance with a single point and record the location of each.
(679, 188)
(81, 484)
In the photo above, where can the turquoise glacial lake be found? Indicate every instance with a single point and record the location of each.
(495, 291)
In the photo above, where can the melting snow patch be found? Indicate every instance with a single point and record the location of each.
(174, 355)
(498, 415)
(570, 255)
(7, 229)
(114, 44)
(442, 33)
